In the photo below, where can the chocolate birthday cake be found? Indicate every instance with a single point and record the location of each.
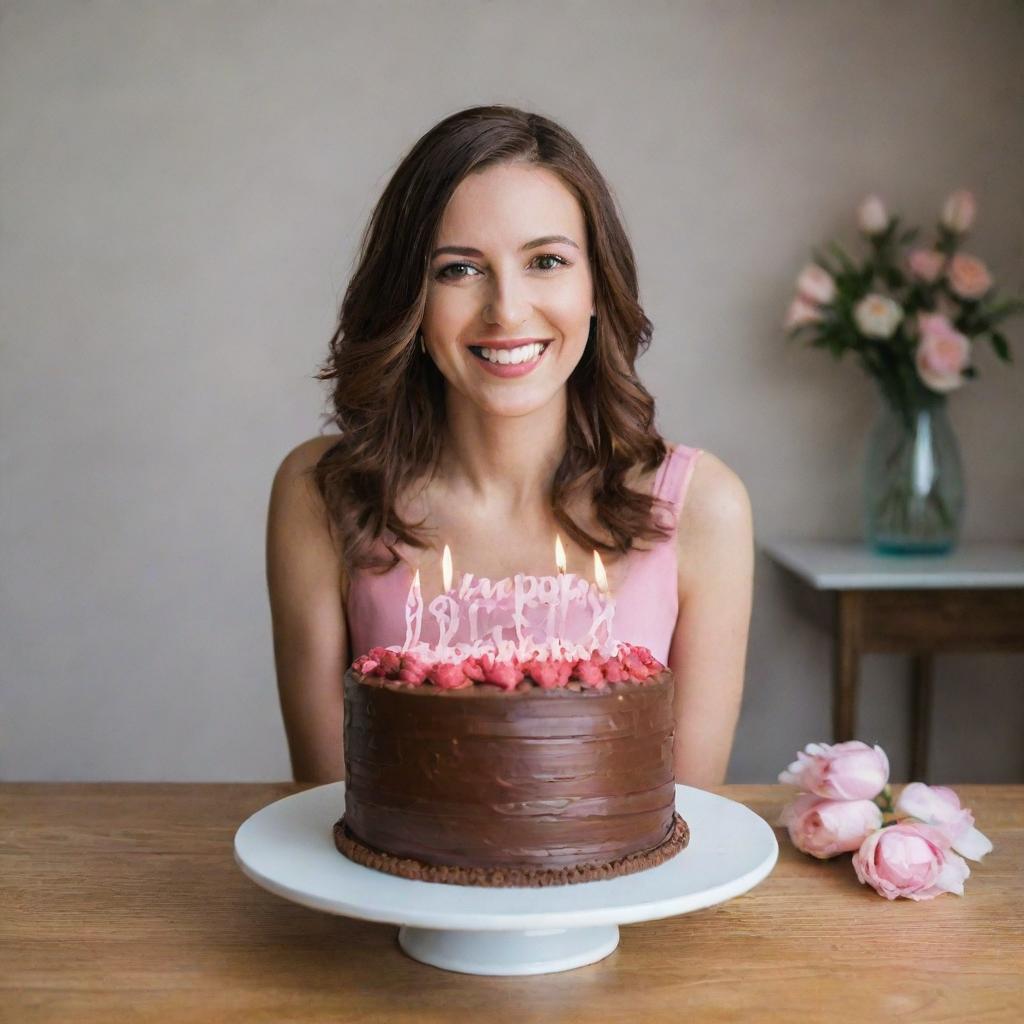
(502, 772)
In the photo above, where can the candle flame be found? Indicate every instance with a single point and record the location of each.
(599, 574)
(559, 555)
(446, 568)
(416, 581)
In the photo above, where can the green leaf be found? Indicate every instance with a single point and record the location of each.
(847, 264)
(1001, 346)
(1002, 310)
(820, 259)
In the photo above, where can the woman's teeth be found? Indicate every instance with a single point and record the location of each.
(523, 354)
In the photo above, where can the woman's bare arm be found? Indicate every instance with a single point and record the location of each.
(310, 636)
(709, 646)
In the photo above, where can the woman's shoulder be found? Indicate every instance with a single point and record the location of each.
(297, 512)
(716, 516)
(303, 457)
(715, 490)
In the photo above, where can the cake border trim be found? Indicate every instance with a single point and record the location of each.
(512, 876)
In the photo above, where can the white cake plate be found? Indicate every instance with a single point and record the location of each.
(288, 848)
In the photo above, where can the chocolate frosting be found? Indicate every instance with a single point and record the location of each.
(529, 777)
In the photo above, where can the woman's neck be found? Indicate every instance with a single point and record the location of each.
(505, 462)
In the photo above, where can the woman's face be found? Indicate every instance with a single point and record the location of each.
(497, 275)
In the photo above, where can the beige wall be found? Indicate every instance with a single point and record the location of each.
(183, 187)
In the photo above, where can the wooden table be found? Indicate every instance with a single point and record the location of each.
(122, 902)
(970, 600)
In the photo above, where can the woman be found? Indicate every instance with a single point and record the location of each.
(485, 391)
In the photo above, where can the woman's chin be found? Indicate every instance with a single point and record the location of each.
(511, 402)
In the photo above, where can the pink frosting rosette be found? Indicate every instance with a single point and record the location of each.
(912, 860)
(840, 771)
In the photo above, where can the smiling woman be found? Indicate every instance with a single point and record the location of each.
(486, 396)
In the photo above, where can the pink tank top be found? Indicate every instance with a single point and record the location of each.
(646, 597)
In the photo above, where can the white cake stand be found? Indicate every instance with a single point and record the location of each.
(288, 848)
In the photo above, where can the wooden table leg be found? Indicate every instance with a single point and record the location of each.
(920, 715)
(847, 644)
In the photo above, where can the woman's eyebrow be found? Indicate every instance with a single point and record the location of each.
(465, 250)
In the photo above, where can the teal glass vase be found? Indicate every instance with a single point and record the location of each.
(913, 486)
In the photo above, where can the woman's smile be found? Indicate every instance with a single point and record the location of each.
(510, 361)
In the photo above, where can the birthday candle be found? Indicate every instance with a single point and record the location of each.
(563, 593)
(605, 610)
(445, 608)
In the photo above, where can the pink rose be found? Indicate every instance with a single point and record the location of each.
(912, 860)
(942, 353)
(958, 211)
(825, 828)
(801, 312)
(843, 771)
(815, 285)
(877, 316)
(968, 276)
(939, 807)
(872, 216)
(926, 264)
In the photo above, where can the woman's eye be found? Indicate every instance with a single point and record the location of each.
(444, 271)
(551, 256)
(454, 270)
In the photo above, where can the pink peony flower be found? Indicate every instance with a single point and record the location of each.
(825, 828)
(939, 807)
(872, 216)
(958, 211)
(801, 312)
(926, 264)
(942, 353)
(968, 277)
(912, 860)
(843, 771)
(815, 285)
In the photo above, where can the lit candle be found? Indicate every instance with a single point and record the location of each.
(605, 613)
(563, 589)
(413, 614)
(445, 608)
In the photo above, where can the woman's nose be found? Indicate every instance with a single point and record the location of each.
(509, 302)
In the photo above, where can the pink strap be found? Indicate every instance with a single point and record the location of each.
(674, 475)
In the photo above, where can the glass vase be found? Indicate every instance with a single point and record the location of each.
(914, 489)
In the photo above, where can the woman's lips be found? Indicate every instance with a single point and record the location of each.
(509, 369)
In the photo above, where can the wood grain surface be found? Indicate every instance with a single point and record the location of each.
(122, 902)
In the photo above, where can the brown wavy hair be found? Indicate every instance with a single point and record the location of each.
(388, 397)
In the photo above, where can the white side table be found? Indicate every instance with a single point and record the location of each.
(969, 600)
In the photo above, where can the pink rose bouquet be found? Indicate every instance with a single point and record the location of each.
(914, 848)
(909, 312)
